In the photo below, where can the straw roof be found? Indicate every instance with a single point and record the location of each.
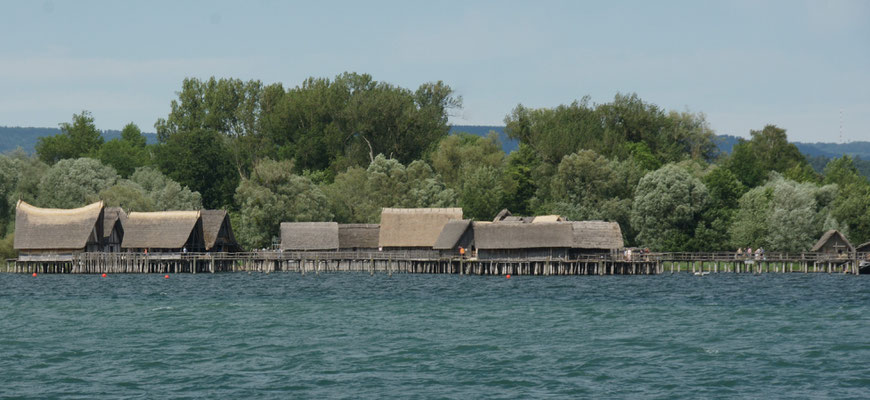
(452, 232)
(547, 218)
(506, 235)
(159, 230)
(831, 234)
(597, 235)
(414, 227)
(358, 236)
(53, 228)
(111, 215)
(212, 221)
(309, 235)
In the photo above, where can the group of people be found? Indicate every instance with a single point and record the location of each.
(627, 254)
(749, 253)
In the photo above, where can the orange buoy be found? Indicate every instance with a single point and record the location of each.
(165, 276)
(34, 274)
(509, 276)
(104, 275)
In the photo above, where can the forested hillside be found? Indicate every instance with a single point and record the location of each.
(340, 149)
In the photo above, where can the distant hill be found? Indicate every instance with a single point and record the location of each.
(507, 144)
(12, 137)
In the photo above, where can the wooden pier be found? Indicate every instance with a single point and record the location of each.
(431, 263)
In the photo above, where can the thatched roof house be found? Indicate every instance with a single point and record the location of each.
(507, 235)
(557, 239)
(51, 230)
(456, 233)
(217, 231)
(547, 218)
(358, 236)
(164, 231)
(113, 228)
(309, 236)
(414, 227)
(597, 235)
(833, 242)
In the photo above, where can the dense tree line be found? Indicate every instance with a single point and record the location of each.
(340, 149)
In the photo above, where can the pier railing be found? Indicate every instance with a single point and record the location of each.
(431, 261)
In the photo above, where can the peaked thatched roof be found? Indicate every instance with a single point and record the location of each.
(504, 213)
(414, 227)
(361, 236)
(452, 232)
(53, 228)
(863, 247)
(830, 235)
(309, 235)
(597, 235)
(506, 235)
(212, 221)
(159, 230)
(111, 215)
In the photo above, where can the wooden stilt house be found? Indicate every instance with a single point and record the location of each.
(309, 236)
(217, 232)
(833, 242)
(414, 230)
(596, 238)
(51, 234)
(164, 231)
(516, 240)
(358, 237)
(863, 248)
(113, 229)
(456, 233)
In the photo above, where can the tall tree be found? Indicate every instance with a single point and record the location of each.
(72, 183)
(273, 194)
(76, 139)
(200, 160)
(768, 150)
(667, 205)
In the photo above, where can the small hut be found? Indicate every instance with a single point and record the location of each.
(358, 237)
(596, 237)
(523, 240)
(414, 229)
(113, 228)
(456, 233)
(164, 231)
(833, 242)
(309, 236)
(51, 234)
(217, 231)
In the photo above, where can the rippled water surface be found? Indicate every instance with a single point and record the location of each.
(352, 335)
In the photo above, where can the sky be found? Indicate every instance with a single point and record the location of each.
(801, 65)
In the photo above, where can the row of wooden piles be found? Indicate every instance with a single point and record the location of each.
(765, 266)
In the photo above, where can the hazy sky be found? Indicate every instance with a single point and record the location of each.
(804, 66)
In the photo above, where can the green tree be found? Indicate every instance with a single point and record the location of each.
(457, 155)
(273, 194)
(127, 195)
(125, 156)
(520, 185)
(200, 160)
(852, 204)
(76, 139)
(72, 183)
(667, 205)
(783, 215)
(768, 150)
(482, 194)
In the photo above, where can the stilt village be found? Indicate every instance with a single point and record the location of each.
(96, 239)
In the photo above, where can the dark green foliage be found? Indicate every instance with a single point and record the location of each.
(200, 159)
(77, 139)
(768, 150)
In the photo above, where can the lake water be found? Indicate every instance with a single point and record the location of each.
(348, 335)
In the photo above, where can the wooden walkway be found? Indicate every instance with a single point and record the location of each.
(427, 262)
